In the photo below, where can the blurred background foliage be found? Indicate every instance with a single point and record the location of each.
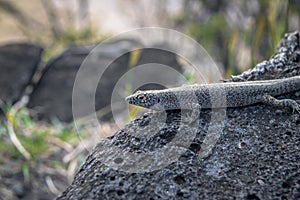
(237, 34)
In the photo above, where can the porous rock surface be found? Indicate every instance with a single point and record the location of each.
(256, 156)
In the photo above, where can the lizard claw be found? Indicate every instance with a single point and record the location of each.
(296, 108)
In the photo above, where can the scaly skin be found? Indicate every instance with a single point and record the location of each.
(218, 95)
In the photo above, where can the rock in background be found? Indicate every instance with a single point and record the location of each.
(52, 98)
(18, 63)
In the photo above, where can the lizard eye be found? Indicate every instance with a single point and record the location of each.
(142, 97)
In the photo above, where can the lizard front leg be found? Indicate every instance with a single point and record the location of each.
(194, 114)
(268, 99)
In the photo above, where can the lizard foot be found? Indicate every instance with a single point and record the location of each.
(193, 115)
(283, 102)
(296, 107)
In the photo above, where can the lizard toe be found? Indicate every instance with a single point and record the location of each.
(191, 116)
(296, 107)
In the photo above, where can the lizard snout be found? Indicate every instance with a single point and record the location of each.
(128, 99)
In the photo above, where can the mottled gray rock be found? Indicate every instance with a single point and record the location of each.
(18, 63)
(256, 156)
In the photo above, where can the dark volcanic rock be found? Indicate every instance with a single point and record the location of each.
(18, 63)
(256, 156)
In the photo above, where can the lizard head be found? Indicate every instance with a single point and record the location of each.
(145, 99)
